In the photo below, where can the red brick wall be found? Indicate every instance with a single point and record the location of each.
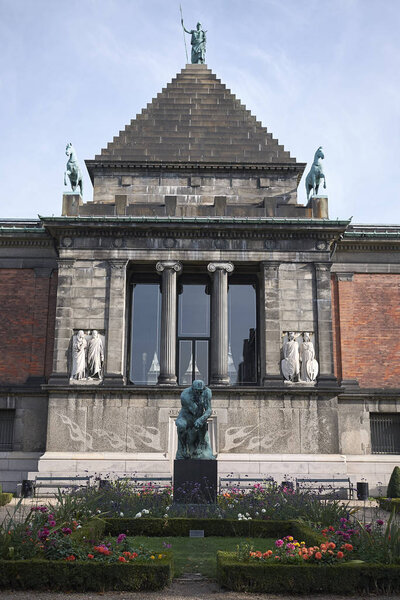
(27, 317)
(366, 329)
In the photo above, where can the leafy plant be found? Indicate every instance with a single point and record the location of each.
(393, 490)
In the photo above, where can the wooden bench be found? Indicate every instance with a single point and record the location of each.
(328, 487)
(243, 483)
(57, 483)
(140, 483)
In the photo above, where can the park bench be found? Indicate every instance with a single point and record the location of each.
(52, 484)
(329, 488)
(243, 483)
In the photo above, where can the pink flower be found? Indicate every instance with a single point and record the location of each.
(121, 538)
(66, 530)
(279, 543)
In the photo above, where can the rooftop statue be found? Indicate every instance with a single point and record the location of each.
(191, 423)
(315, 175)
(198, 42)
(73, 171)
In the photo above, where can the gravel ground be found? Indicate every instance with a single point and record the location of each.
(203, 590)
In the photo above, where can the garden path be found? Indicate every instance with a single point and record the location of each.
(190, 590)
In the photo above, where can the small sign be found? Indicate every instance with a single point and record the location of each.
(196, 533)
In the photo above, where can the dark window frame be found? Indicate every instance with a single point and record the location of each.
(7, 417)
(385, 433)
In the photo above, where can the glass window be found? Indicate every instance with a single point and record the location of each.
(145, 336)
(242, 351)
(6, 429)
(385, 433)
(194, 311)
(193, 333)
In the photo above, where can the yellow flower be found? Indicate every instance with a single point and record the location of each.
(290, 538)
(152, 557)
(296, 544)
(160, 556)
(303, 543)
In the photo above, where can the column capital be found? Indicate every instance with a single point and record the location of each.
(175, 265)
(270, 265)
(66, 263)
(117, 264)
(222, 266)
(323, 267)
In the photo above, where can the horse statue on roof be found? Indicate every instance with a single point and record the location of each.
(315, 175)
(73, 171)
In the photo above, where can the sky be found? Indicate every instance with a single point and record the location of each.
(315, 73)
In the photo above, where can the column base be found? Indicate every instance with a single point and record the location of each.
(220, 380)
(114, 379)
(195, 472)
(167, 380)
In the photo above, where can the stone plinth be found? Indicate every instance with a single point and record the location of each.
(188, 473)
(71, 203)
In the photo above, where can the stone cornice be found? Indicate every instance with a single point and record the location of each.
(25, 236)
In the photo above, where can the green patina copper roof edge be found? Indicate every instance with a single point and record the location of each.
(371, 235)
(14, 230)
(231, 220)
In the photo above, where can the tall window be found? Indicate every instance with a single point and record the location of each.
(385, 433)
(145, 333)
(242, 328)
(6, 429)
(193, 331)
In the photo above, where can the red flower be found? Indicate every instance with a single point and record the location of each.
(71, 557)
(318, 555)
(90, 556)
(122, 559)
(340, 554)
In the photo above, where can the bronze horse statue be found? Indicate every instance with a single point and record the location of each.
(73, 171)
(315, 175)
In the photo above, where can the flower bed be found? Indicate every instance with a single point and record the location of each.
(212, 527)
(301, 578)
(389, 504)
(89, 575)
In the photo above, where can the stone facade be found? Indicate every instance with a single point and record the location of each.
(195, 189)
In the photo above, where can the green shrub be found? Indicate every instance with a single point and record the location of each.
(92, 530)
(393, 490)
(5, 498)
(212, 527)
(304, 578)
(389, 504)
(84, 576)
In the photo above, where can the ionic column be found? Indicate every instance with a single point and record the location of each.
(270, 328)
(219, 322)
(115, 333)
(168, 270)
(323, 296)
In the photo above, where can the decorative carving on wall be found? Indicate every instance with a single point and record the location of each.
(299, 364)
(86, 357)
(308, 364)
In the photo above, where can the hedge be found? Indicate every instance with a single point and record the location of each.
(5, 498)
(179, 527)
(304, 578)
(389, 504)
(82, 576)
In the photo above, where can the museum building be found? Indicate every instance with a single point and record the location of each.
(194, 260)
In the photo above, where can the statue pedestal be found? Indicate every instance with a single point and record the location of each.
(195, 481)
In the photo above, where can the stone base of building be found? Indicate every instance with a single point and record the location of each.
(376, 469)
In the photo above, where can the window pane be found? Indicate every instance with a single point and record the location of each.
(242, 353)
(202, 360)
(145, 344)
(385, 433)
(6, 429)
(185, 362)
(194, 311)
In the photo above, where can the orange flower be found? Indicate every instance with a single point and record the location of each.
(71, 557)
(348, 547)
(331, 545)
(318, 555)
(340, 554)
(90, 556)
(323, 546)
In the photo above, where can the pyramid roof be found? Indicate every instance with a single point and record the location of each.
(196, 119)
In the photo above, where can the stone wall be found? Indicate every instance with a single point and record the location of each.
(27, 300)
(366, 309)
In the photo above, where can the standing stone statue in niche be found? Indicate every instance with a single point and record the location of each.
(191, 423)
(73, 171)
(79, 346)
(308, 364)
(95, 356)
(315, 175)
(198, 42)
(291, 361)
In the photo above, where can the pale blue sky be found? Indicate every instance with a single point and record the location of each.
(313, 72)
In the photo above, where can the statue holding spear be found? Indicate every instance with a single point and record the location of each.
(198, 42)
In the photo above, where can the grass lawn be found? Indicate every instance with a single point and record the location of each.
(199, 555)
